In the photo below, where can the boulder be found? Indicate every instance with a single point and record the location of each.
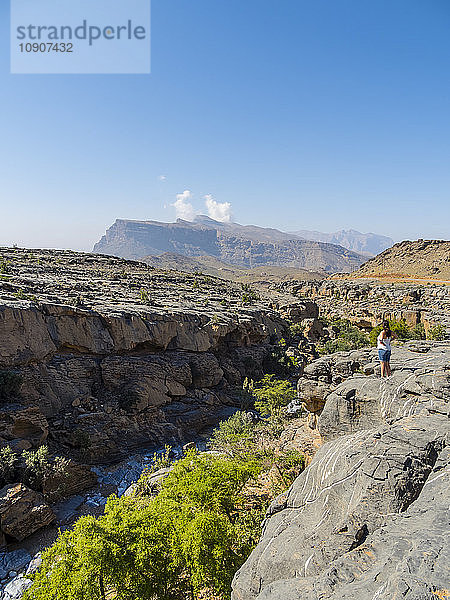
(75, 479)
(23, 511)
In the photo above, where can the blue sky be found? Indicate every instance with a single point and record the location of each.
(325, 114)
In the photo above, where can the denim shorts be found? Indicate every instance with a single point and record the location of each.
(384, 355)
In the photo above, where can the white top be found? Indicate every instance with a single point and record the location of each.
(383, 344)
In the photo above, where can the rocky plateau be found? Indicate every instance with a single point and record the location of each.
(369, 517)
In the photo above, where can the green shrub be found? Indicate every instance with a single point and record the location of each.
(289, 463)
(437, 332)
(234, 436)
(296, 329)
(418, 332)
(249, 296)
(278, 363)
(39, 465)
(8, 465)
(193, 536)
(401, 328)
(5, 268)
(272, 395)
(144, 296)
(160, 460)
(10, 383)
(348, 337)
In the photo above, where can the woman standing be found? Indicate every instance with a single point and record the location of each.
(384, 348)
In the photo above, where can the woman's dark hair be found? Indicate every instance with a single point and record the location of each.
(387, 329)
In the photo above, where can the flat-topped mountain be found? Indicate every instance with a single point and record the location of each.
(369, 244)
(242, 245)
(425, 259)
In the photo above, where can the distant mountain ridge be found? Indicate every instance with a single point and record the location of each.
(246, 246)
(369, 244)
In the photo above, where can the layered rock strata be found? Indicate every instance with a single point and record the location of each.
(112, 354)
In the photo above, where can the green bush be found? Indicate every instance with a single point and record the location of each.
(234, 436)
(5, 267)
(401, 328)
(272, 395)
(437, 332)
(418, 332)
(39, 465)
(10, 383)
(160, 460)
(296, 329)
(8, 466)
(193, 536)
(249, 296)
(348, 337)
(289, 463)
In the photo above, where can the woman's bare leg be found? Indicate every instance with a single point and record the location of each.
(388, 369)
(383, 368)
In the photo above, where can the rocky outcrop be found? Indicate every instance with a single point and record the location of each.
(366, 304)
(111, 354)
(22, 511)
(368, 518)
(245, 246)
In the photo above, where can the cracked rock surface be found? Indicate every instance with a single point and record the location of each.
(114, 354)
(369, 517)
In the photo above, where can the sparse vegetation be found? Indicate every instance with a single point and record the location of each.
(436, 332)
(21, 295)
(403, 331)
(144, 296)
(5, 267)
(10, 383)
(296, 329)
(39, 465)
(160, 460)
(31, 467)
(9, 462)
(249, 296)
(347, 337)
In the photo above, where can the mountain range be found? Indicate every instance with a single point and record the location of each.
(369, 244)
(246, 246)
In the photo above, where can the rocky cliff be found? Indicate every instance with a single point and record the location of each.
(369, 517)
(244, 246)
(112, 354)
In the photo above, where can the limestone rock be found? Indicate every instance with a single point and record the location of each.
(368, 518)
(75, 479)
(22, 511)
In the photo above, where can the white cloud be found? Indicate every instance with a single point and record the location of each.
(162, 177)
(219, 211)
(183, 207)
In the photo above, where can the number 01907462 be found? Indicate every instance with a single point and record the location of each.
(46, 47)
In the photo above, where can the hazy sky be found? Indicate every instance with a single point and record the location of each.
(318, 114)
